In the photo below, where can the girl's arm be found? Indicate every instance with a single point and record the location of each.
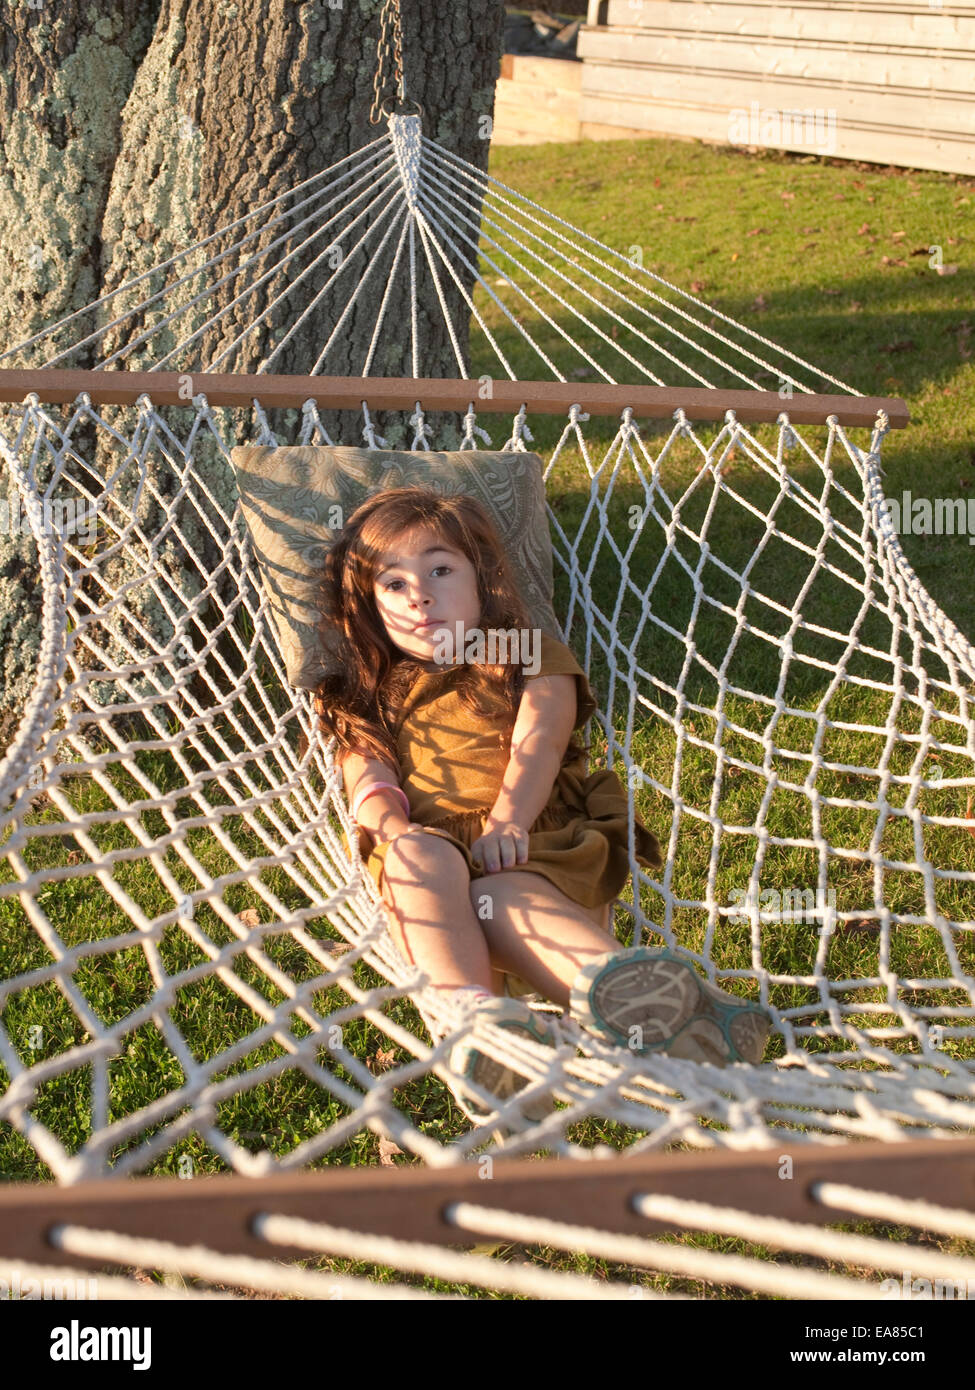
(381, 815)
(543, 726)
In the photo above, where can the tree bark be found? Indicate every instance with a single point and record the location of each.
(134, 131)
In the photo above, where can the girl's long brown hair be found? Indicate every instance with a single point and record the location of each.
(359, 703)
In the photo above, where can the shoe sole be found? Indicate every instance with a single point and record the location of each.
(496, 1077)
(652, 1001)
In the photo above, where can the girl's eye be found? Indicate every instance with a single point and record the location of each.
(391, 586)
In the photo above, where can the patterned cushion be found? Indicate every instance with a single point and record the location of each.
(296, 499)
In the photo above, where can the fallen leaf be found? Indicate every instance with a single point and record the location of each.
(856, 306)
(946, 269)
(250, 917)
(387, 1152)
(698, 285)
(809, 231)
(385, 1058)
(759, 302)
(886, 260)
(896, 236)
(758, 231)
(826, 290)
(734, 255)
(786, 195)
(860, 926)
(864, 230)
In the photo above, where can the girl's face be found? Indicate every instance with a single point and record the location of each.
(422, 586)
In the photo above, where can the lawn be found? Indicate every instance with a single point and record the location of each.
(821, 256)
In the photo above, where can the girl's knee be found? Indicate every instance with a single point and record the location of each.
(422, 856)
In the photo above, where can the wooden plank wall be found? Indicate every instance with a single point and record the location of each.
(536, 100)
(881, 80)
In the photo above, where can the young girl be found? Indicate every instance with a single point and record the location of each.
(493, 847)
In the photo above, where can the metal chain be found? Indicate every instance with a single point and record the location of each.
(389, 52)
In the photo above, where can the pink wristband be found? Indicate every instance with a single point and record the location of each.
(361, 796)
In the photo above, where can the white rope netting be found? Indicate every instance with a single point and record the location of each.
(192, 958)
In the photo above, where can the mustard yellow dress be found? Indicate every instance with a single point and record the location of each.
(453, 764)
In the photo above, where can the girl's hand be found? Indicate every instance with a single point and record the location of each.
(503, 845)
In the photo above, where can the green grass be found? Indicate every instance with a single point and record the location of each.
(795, 247)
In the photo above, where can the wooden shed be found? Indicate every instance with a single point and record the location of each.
(881, 80)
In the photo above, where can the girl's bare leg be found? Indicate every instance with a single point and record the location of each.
(425, 885)
(535, 931)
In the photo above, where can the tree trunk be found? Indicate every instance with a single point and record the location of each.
(134, 133)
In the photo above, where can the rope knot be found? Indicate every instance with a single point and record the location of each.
(471, 427)
(789, 436)
(421, 438)
(369, 433)
(519, 429)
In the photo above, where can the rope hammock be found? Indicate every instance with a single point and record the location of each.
(805, 752)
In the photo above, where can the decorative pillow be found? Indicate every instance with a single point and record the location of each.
(296, 500)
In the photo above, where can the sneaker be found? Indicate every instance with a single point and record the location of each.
(651, 1001)
(468, 1062)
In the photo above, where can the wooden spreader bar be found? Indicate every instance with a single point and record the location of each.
(409, 1203)
(435, 393)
